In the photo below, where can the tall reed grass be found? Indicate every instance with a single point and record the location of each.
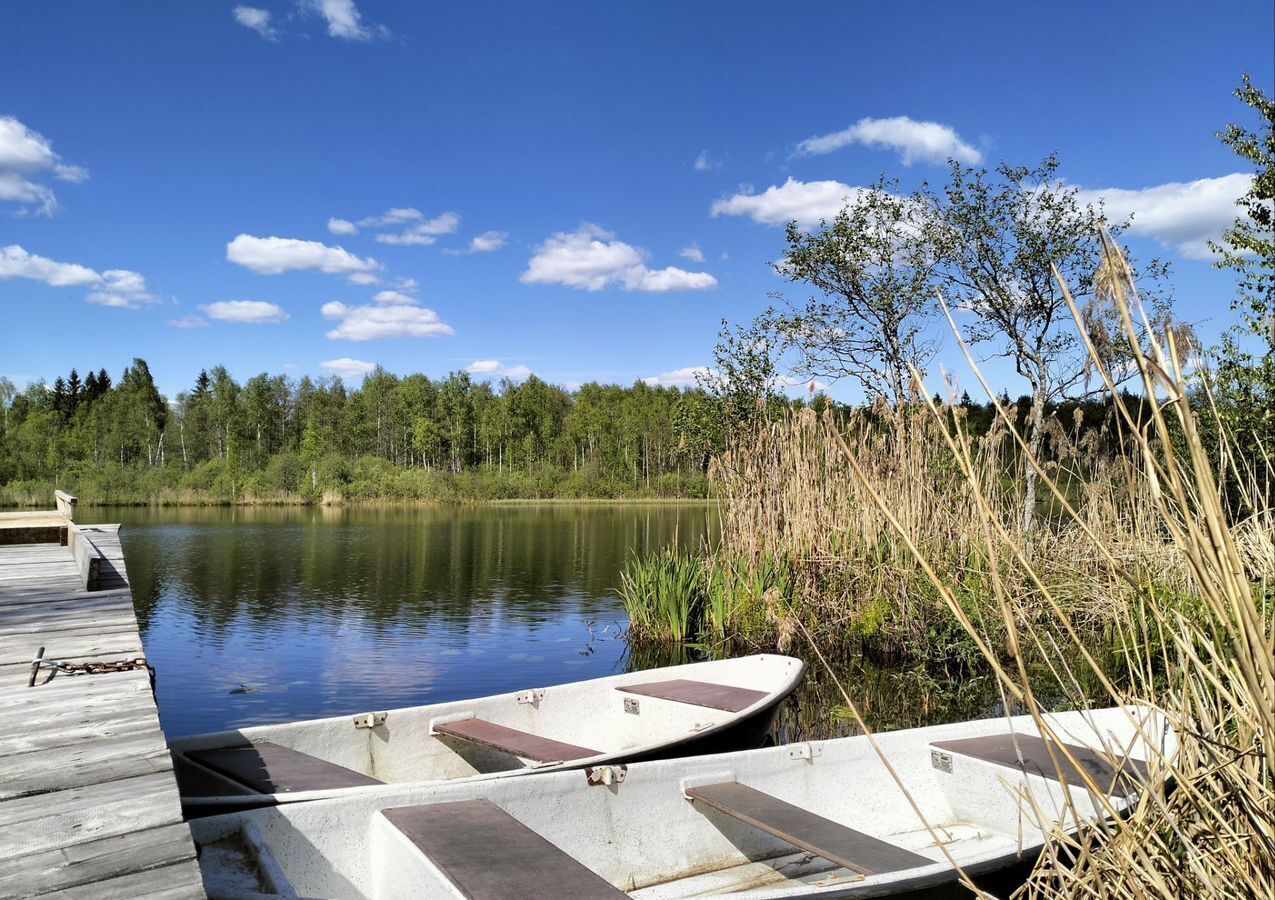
(1188, 595)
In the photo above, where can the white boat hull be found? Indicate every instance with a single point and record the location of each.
(643, 836)
(602, 721)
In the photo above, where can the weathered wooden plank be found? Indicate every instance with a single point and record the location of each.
(88, 800)
(174, 882)
(57, 868)
(74, 766)
(831, 840)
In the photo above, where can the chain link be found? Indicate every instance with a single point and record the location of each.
(98, 667)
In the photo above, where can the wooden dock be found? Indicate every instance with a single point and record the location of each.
(88, 802)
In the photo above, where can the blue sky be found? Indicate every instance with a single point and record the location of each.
(582, 190)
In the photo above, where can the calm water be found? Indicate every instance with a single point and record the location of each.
(259, 615)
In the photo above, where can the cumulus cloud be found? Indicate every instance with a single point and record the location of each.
(342, 226)
(25, 157)
(120, 288)
(189, 322)
(806, 202)
(589, 258)
(347, 369)
(924, 141)
(703, 163)
(692, 252)
(256, 19)
(398, 215)
(681, 378)
(425, 232)
(276, 255)
(344, 20)
(363, 278)
(245, 312)
(1181, 215)
(494, 368)
(394, 297)
(384, 320)
(488, 241)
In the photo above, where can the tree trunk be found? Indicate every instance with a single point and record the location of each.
(1035, 438)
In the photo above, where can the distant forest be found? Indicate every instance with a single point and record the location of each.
(274, 438)
(277, 439)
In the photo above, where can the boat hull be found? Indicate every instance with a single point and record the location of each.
(657, 714)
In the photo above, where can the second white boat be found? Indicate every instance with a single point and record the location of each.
(706, 707)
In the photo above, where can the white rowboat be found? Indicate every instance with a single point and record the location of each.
(820, 819)
(703, 707)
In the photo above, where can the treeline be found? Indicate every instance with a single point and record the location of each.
(279, 439)
(276, 438)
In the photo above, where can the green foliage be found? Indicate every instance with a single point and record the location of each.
(676, 597)
(663, 595)
(1246, 359)
(272, 439)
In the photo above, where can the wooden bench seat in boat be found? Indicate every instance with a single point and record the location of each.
(698, 693)
(489, 855)
(825, 838)
(512, 741)
(1029, 753)
(272, 769)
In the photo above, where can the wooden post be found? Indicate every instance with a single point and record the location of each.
(66, 504)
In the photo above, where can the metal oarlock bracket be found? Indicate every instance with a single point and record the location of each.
(370, 720)
(533, 696)
(605, 775)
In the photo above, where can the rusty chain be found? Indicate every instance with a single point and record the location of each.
(99, 667)
(93, 667)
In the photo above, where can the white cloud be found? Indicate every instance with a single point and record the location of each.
(275, 255)
(1182, 215)
(393, 297)
(692, 252)
(342, 226)
(120, 288)
(488, 241)
(390, 320)
(345, 21)
(363, 278)
(588, 258)
(245, 312)
(923, 141)
(18, 263)
(681, 378)
(189, 322)
(704, 164)
(494, 368)
(398, 215)
(256, 19)
(423, 232)
(347, 369)
(806, 202)
(25, 155)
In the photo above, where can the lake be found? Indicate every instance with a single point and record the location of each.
(253, 615)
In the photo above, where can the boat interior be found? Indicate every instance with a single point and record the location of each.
(555, 727)
(799, 820)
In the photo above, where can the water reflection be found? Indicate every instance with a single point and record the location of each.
(260, 615)
(263, 614)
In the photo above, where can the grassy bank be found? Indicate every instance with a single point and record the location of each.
(368, 480)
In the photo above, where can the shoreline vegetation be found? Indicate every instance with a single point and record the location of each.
(1073, 568)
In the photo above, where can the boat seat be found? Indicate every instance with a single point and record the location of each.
(825, 838)
(1029, 753)
(489, 855)
(271, 769)
(514, 742)
(697, 693)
